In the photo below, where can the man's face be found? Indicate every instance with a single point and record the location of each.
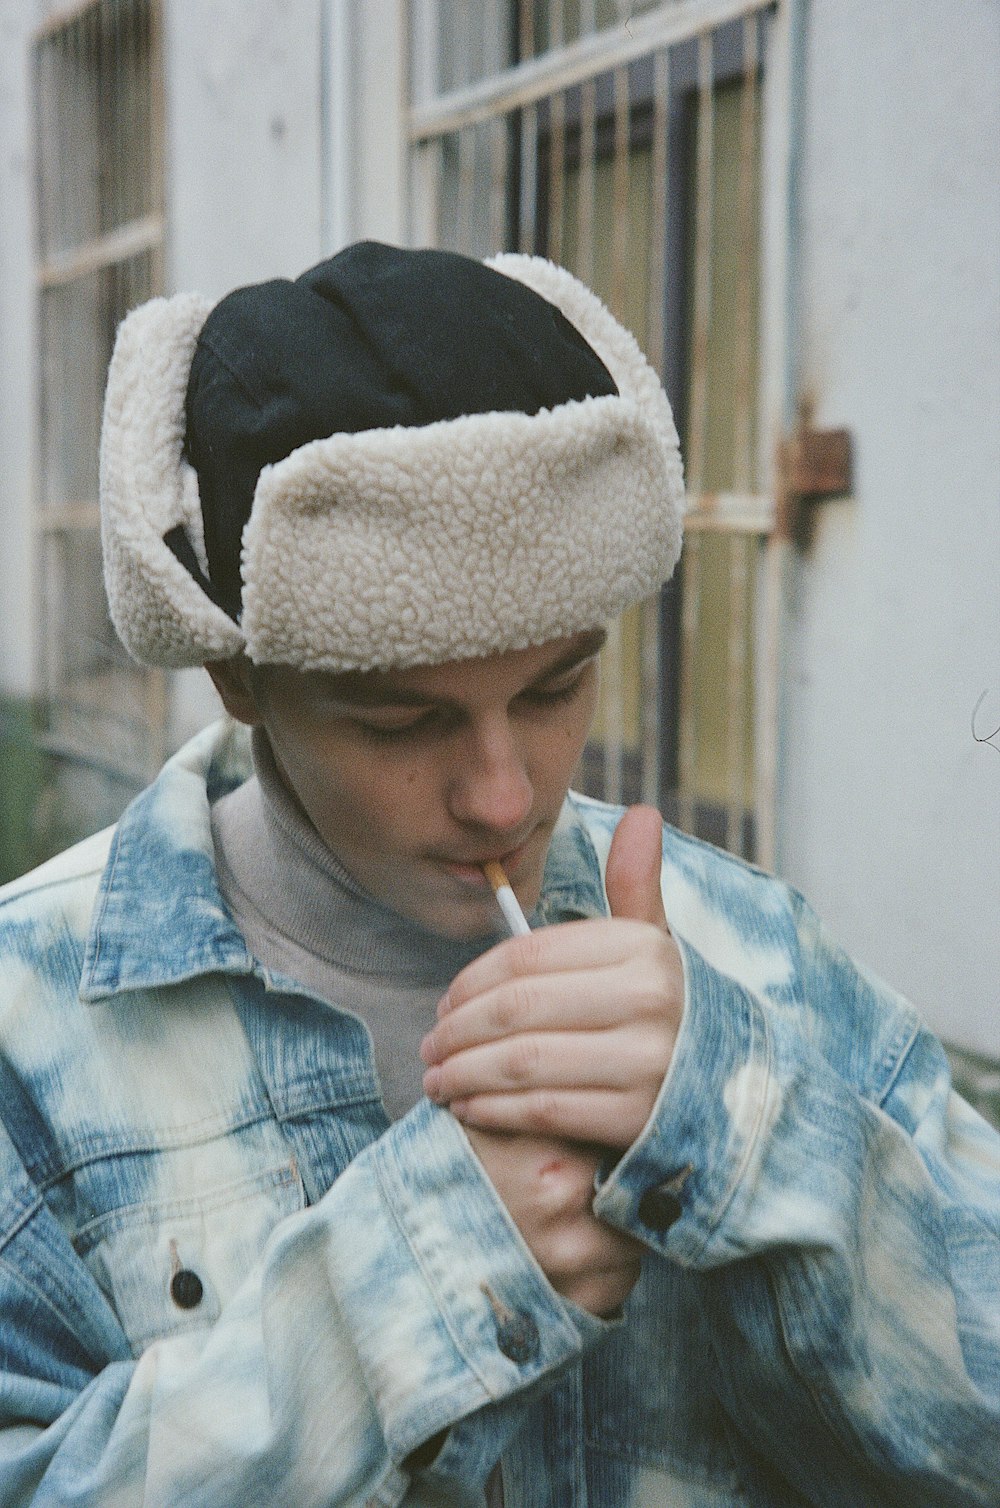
(415, 778)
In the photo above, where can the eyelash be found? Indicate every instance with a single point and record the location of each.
(427, 723)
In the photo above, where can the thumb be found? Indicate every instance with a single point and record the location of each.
(632, 877)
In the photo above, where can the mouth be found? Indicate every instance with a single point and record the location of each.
(471, 872)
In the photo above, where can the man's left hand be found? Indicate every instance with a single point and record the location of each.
(569, 1032)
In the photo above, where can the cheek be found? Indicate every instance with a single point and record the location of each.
(355, 801)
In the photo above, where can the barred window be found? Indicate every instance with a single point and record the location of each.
(98, 133)
(624, 141)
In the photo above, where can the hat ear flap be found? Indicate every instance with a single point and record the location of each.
(148, 491)
(614, 344)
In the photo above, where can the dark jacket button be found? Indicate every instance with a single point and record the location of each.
(186, 1289)
(517, 1337)
(658, 1209)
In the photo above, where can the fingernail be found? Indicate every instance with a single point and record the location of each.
(444, 1005)
(427, 1053)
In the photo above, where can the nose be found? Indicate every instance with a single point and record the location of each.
(489, 786)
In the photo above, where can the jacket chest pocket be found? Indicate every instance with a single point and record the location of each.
(168, 1265)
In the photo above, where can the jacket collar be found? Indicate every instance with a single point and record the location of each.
(159, 917)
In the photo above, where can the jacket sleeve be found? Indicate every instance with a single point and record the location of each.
(402, 1304)
(840, 1208)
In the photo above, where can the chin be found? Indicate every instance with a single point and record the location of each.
(460, 919)
(464, 927)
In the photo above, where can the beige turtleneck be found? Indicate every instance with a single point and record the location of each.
(303, 916)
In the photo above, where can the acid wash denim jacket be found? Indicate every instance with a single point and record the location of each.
(226, 1281)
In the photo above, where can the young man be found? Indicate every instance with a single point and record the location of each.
(314, 1187)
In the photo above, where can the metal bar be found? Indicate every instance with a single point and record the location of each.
(739, 544)
(620, 195)
(118, 246)
(461, 31)
(526, 29)
(466, 188)
(660, 171)
(563, 67)
(557, 24)
(704, 207)
(650, 678)
(427, 176)
(650, 732)
(529, 180)
(697, 427)
(45, 94)
(687, 751)
(157, 149)
(730, 513)
(67, 182)
(743, 334)
(587, 183)
(612, 669)
(68, 518)
(498, 184)
(614, 651)
(736, 698)
(557, 174)
(780, 145)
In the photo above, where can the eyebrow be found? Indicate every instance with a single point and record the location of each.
(368, 689)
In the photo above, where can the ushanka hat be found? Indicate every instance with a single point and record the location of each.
(401, 458)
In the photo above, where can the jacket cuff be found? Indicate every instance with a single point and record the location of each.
(673, 1187)
(458, 1298)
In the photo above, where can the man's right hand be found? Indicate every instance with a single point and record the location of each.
(548, 1187)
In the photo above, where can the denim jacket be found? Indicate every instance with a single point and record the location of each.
(225, 1280)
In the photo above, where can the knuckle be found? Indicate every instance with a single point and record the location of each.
(520, 1001)
(527, 953)
(503, 1013)
(521, 1065)
(542, 1111)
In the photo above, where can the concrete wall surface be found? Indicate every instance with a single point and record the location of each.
(244, 82)
(890, 813)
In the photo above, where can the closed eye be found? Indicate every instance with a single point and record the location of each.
(549, 696)
(394, 724)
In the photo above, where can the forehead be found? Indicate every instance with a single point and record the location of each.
(454, 681)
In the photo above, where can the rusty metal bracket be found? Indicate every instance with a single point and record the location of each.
(812, 464)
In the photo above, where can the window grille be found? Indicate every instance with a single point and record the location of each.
(624, 141)
(98, 130)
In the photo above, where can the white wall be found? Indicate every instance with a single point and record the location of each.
(891, 812)
(244, 171)
(283, 142)
(365, 177)
(243, 89)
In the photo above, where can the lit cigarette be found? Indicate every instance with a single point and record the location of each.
(507, 900)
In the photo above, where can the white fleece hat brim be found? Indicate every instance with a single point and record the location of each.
(394, 547)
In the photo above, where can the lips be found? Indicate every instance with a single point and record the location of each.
(471, 870)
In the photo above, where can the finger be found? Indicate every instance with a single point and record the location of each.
(535, 1060)
(586, 1247)
(632, 875)
(579, 1001)
(611, 1118)
(564, 948)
